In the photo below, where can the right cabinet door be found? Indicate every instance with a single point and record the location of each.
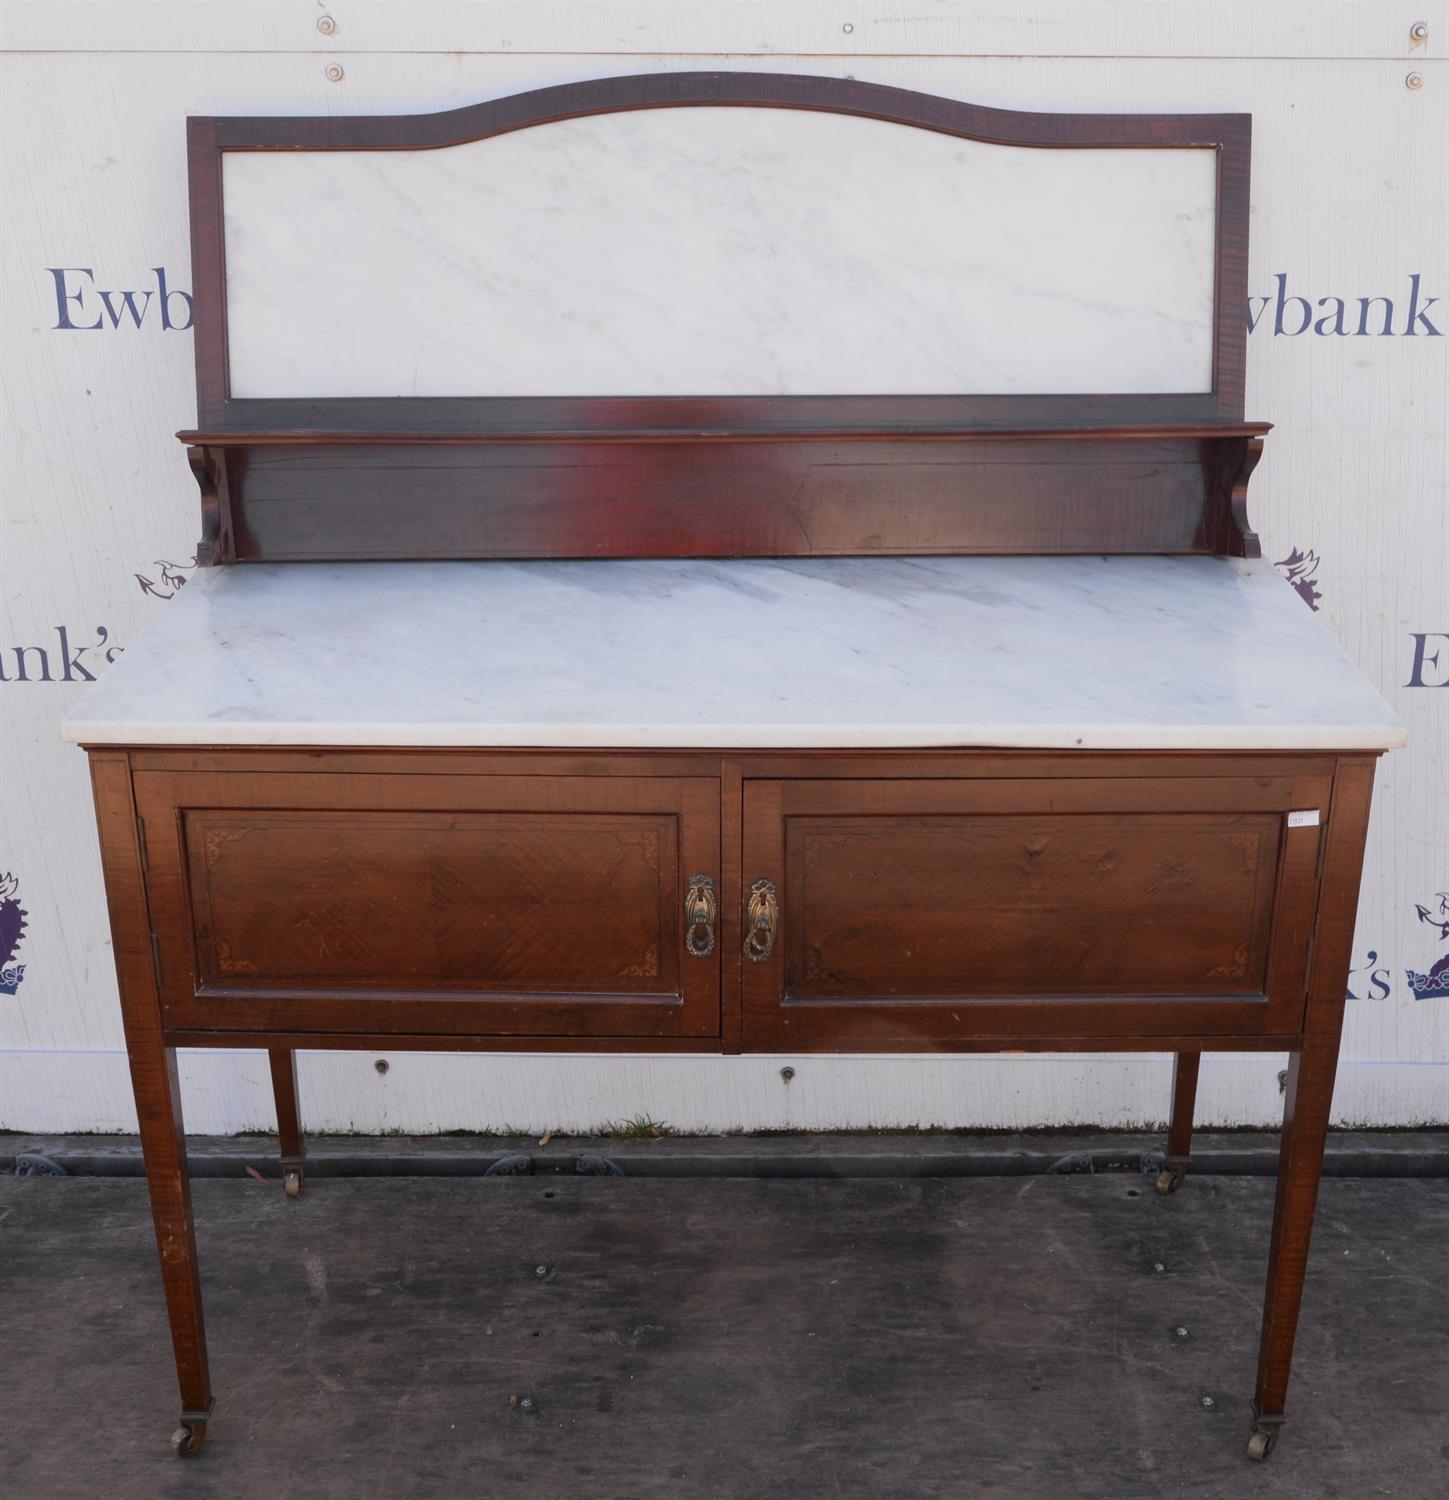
(918, 914)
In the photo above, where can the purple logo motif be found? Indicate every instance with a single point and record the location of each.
(1298, 568)
(34, 663)
(172, 578)
(12, 929)
(1429, 661)
(1372, 978)
(1285, 313)
(1435, 984)
(83, 307)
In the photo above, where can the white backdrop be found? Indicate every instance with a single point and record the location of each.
(1350, 203)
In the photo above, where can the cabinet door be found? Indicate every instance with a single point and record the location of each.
(511, 906)
(915, 914)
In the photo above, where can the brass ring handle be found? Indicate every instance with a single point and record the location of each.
(700, 908)
(762, 918)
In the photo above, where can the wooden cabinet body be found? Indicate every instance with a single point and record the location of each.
(503, 904)
(801, 902)
(918, 912)
(918, 901)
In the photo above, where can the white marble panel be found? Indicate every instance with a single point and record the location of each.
(1092, 652)
(713, 251)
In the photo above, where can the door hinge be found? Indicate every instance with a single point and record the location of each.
(156, 958)
(141, 844)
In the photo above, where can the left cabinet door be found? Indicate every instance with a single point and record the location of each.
(434, 904)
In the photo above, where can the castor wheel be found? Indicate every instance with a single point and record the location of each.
(1169, 1179)
(1261, 1442)
(292, 1182)
(188, 1440)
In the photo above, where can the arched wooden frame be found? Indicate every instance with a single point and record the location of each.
(1228, 135)
(307, 479)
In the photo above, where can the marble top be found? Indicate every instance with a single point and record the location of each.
(1090, 652)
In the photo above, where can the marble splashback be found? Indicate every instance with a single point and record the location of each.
(714, 251)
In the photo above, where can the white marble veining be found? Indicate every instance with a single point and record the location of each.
(1107, 653)
(712, 251)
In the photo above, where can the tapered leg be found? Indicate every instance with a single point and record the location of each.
(1184, 1098)
(1309, 1094)
(289, 1126)
(1179, 1130)
(163, 1145)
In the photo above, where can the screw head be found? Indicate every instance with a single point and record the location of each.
(1208, 1403)
(326, 25)
(381, 1066)
(847, 28)
(787, 1073)
(333, 72)
(1414, 81)
(1419, 32)
(1180, 1332)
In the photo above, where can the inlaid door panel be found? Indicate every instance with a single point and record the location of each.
(914, 913)
(503, 905)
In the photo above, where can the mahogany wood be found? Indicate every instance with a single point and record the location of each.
(773, 765)
(461, 1041)
(732, 880)
(1012, 904)
(1308, 1096)
(527, 905)
(290, 1151)
(916, 912)
(1229, 134)
(1184, 1099)
(1222, 803)
(727, 496)
(153, 1077)
(435, 903)
(471, 421)
(478, 477)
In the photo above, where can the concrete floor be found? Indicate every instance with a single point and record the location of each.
(1015, 1337)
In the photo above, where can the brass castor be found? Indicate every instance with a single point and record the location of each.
(1261, 1442)
(186, 1441)
(1169, 1179)
(292, 1182)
